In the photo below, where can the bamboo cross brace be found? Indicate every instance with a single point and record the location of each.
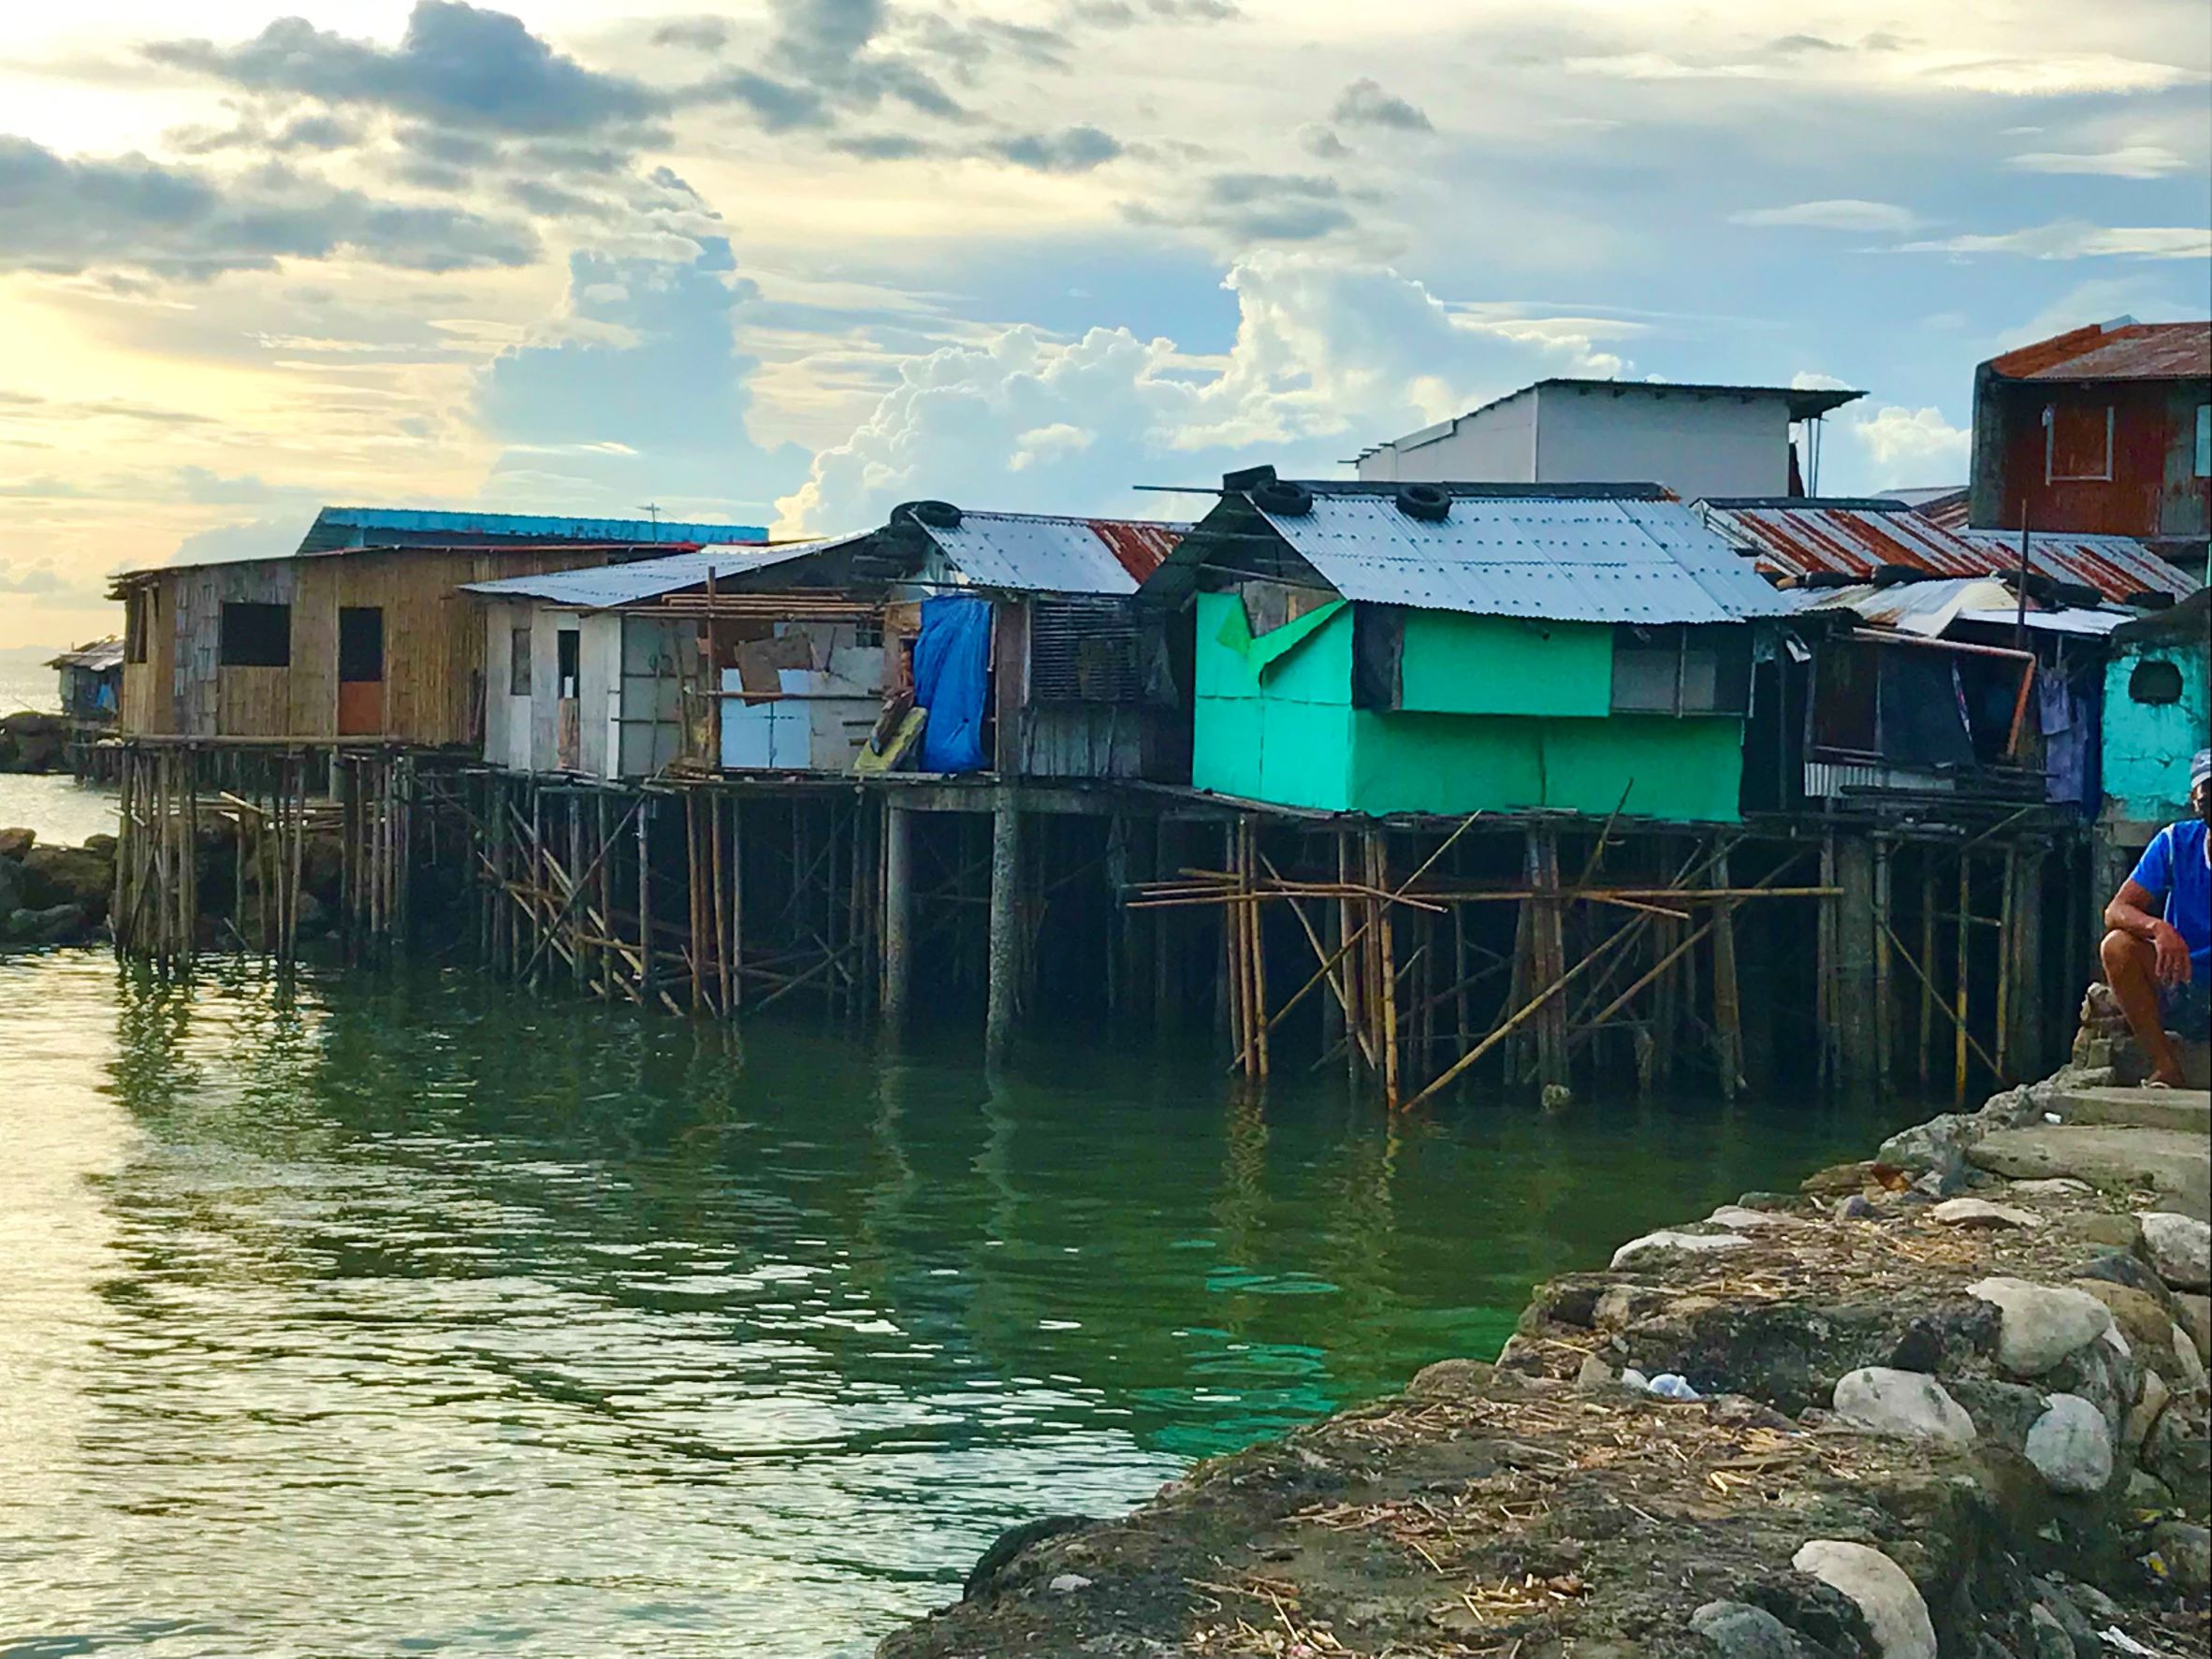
(1941, 1002)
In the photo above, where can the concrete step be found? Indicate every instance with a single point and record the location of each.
(2175, 1164)
(2141, 1109)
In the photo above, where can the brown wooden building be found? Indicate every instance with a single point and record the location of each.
(361, 632)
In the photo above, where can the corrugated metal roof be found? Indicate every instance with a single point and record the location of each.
(1929, 608)
(339, 527)
(1041, 553)
(602, 587)
(2115, 351)
(2065, 621)
(99, 657)
(1852, 537)
(1562, 557)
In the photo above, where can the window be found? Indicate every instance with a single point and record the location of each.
(2203, 467)
(135, 624)
(518, 662)
(2077, 442)
(2155, 681)
(360, 643)
(568, 648)
(255, 635)
(1681, 671)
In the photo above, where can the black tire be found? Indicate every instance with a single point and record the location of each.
(2076, 594)
(2039, 586)
(1893, 573)
(2149, 599)
(1428, 502)
(1248, 477)
(1279, 498)
(1821, 580)
(932, 515)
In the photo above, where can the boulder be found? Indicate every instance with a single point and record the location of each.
(12, 886)
(985, 1578)
(2185, 1356)
(1973, 1212)
(69, 876)
(2179, 1247)
(2052, 1186)
(2178, 1451)
(2143, 1415)
(1890, 1601)
(1939, 1143)
(2048, 1634)
(1903, 1403)
(14, 842)
(2120, 1268)
(2193, 1313)
(2140, 1317)
(1653, 1245)
(1742, 1631)
(2070, 1447)
(2039, 1324)
(55, 925)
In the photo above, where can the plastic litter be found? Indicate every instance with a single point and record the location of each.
(1672, 1387)
(1633, 1378)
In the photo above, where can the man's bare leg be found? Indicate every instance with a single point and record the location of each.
(2130, 969)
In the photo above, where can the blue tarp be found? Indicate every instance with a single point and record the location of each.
(952, 674)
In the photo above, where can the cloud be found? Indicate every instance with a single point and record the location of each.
(457, 65)
(2130, 160)
(1072, 149)
(694, 34)
(1365, 103)
(251, 538)
(2073, 239)
(637, 393)
(65, 217)
(1844, 213)
(1918, 444)
(1321, 142)
(1327, 355)
(1123, 14)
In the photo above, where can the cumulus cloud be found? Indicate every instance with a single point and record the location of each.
(67, 216)
(1916, 444)
(457, 65)
(2128, 161)
(638, 392)
(2074, 239)
(1365, 103)
(1327, 355)
(1844, 213)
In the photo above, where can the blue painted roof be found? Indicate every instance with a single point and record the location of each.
(338, 528)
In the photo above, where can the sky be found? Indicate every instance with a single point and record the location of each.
(789, 263)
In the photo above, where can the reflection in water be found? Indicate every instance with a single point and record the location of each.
(412, 1314)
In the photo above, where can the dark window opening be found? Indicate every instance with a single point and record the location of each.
(518, 662)
(2155, 681)
(135, 625)
(360, 643)
(255, 635)
(1670, 670)
(568, 646)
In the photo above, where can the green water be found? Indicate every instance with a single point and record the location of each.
(418, 1316)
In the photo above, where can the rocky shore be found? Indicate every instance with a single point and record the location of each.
(1949, 1401)
(32, 741)
(51, 895)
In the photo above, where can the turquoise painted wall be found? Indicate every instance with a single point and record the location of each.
(1274, 721)
(2148, 745)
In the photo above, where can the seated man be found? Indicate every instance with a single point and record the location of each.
(2158, 957)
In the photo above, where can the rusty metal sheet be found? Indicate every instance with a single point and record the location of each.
(1797, 538)
(601, 587)
(2133, 351)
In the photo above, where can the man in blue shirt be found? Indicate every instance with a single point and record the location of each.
(2158, 957)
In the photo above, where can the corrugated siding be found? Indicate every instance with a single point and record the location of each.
(1035, 553)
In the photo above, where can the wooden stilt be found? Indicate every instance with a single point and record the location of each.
(898, 856)
(1005, 928)
(1728, 1005)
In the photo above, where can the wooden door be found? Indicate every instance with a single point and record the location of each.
(361, 670)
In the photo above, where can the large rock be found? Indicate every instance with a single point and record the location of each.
(69, 876)
(12, 886)
(2039, 1325)
(2178, 1451)
(1892, 1603)
(1903, 1403)
(1975, 1212)
(2196, 1316)
(2143, 1415)
(2170, 1162)
(2070, 1447)
(2185, 1548)
(56, 924)
(14, 842)
(1742, 1631)
(2142, 1320)
(1939, 1143)
(1655, 1246)
(2179, 1246)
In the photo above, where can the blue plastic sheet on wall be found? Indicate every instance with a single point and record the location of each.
(952, 677)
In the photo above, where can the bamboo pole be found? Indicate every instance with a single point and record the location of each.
(1958, 1045)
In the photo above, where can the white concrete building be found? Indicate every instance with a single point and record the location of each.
(1701, 442)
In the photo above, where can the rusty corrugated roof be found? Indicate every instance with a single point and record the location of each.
(1852, 537)
(2124, 351)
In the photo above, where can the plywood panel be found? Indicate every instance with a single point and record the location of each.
(251, 702)
(311, 691)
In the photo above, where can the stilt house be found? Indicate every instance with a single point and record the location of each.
(1388, 648)
(1018, 632)
(361, 632)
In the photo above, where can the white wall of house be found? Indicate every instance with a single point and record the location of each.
(506, 715)
(1635, 432)
(826, 715)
